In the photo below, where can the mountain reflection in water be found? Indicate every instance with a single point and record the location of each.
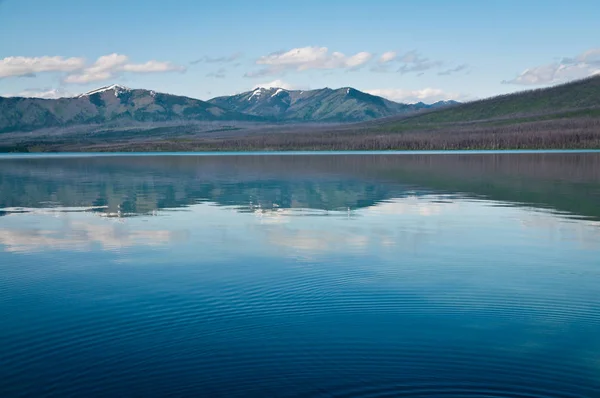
(126, 186)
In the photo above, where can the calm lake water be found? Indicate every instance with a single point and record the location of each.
(454, 275)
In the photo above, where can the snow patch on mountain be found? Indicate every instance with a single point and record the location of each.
(279, 90)
(256, 93)
(118, 89)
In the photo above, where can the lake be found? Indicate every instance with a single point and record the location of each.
(333, 275)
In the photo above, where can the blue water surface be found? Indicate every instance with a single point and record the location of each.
(354, 275)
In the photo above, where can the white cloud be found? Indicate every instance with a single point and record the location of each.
(276, 84)
(357, 60)
(427, 95)
(306, 58)
(47, 93)
(105, 67)
(151, 67)
(23, 66)
(584, 65)
(387, 57)
(108, 66)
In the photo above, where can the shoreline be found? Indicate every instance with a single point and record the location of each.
(14, 155)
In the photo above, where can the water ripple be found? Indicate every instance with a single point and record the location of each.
(260, 281)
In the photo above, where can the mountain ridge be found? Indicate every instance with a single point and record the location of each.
(120, 105)
(109, 105)
(345, 104)
(581, 95)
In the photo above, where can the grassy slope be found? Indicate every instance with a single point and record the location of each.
(577, 98)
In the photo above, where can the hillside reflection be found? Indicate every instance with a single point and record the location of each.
(140, 185)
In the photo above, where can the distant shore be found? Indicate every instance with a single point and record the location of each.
(570, 133)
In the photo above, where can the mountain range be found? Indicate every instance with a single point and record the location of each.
(116, 118)
(324, 105)
(116, 105)
(109, 106)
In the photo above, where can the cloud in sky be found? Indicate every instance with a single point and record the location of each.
(456, 69)
(412, 61)
(105, 67)
(218, 60)
(109, 66)
(307, 58)
(151, 67)
(427, 95)
(583, 65)
(387, 57)
(276, 84)
(29, 66)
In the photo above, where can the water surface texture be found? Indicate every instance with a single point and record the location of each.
(446, 275)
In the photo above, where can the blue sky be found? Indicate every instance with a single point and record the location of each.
(404, 50)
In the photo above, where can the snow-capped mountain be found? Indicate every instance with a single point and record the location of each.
(114, 104)
(324, 105)
(117, 104)
(116, 89)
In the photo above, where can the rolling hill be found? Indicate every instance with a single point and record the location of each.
(578, 98)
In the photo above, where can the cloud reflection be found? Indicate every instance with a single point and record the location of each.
(396, 225)
(48, 231)
(389, 225)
